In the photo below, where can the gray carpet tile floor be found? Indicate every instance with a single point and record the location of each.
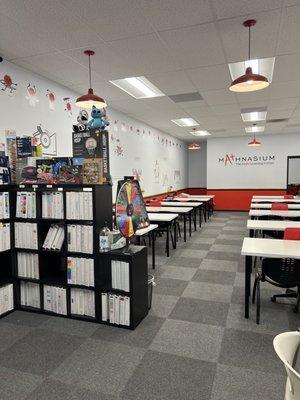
(194, 344)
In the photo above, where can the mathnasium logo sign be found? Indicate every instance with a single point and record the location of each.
(232, 159)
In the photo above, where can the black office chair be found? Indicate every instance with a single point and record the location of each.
(283, 273)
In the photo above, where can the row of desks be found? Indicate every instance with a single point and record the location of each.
(168, 213)
(270, 248)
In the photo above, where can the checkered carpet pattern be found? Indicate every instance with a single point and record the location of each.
(195, 343)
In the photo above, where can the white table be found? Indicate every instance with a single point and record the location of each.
(268, 200)
(195, 204)
(168, 220)
(268, 206)
(207, 200)
(145, 231)
(179, 210)
(277, 213)
(271, 248)
(270, 197)
(270, 225)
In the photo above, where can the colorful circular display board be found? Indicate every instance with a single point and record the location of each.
(131, 212)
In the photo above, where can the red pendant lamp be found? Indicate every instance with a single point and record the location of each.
(249, 82)
(90, 99)
(194, 146)
(254, 142)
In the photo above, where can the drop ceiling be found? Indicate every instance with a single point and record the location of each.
(181, 46)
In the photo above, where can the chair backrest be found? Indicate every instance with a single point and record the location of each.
(291, 234)
(279, 206)
(288, 196)
(286, 346)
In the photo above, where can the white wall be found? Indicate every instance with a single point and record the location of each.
(197, 167)
(159, 159)
(231, 164)
(294, 170)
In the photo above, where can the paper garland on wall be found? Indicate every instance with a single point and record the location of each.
(32, 95)
(8, 85)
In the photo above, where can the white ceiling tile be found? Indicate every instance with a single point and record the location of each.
(145, 54)
(50, 21)
(278, 114)
(194, 46)
(234, 8)
(173, 82)
(169, 14)
(263, 36)
(284, 90)
(287, 68)
(210, 78)
(261, 97)
(289, 38)
(111, 19)
(217, 97)
(17, 41)
(226, 109)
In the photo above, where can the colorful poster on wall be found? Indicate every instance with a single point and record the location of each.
(93, 143)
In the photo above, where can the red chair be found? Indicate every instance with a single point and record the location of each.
(155, 203)
(291, 234)
(280, 272)
(279, 206)
(288, 196)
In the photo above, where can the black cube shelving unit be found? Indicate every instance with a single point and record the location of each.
(53, 264)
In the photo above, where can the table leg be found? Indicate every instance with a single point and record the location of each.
(184, 227)
(139, 240)
(199, 209)
(168, 240)
(200, 222)
(205, 211)
(251, 232)
(190, 222)
(195, 218)
(175, 234)
(248, 267)
(153, 249)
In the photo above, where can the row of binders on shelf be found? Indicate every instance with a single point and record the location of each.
(55, 299)
(6, 298)
(55, 238)
(28, 265)
(79, 205)
(120, 275)
(30, 294)
(26, 235)
(80, 271)
(26, 205)
(4, 237)
(4, 205)
(80, 238)
(83, 302)
(52, 205)
(115, 309)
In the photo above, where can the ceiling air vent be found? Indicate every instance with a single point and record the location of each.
(185, 97)
(276, 120)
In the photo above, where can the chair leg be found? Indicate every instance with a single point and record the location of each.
(283, 295)
(296, 308)
(254, 290)
(258, 302)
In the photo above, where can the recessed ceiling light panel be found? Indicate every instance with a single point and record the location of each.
(138, 87)
(252, 129)
(254, 116)
(184, 122)
(200, 133)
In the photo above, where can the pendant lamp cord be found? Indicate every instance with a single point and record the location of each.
(90, 75)
(249, 43)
